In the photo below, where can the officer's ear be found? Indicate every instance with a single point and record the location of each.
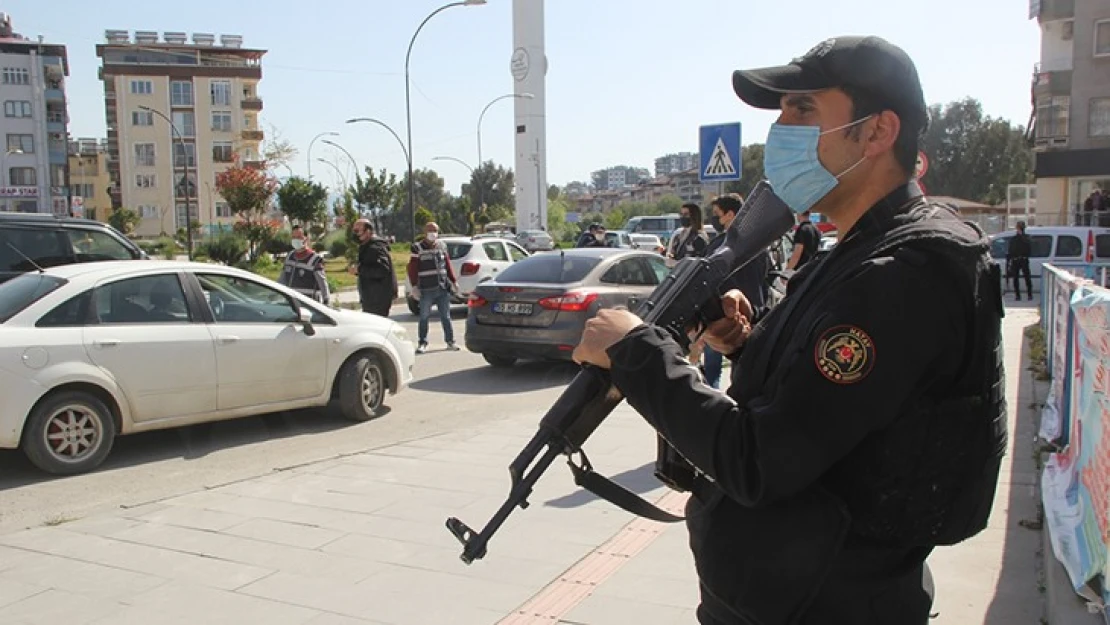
(880, 133)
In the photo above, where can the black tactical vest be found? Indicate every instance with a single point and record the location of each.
(930, 477)
(431, 268)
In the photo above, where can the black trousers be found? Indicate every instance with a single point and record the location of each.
(378, 307)
(1019, 266)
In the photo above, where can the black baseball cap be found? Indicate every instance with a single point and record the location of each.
(871, 64)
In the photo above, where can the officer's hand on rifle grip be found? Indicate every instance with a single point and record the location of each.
(728, 334)
(602, 332)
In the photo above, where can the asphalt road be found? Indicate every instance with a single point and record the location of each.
(451, 391)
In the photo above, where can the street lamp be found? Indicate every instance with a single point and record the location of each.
(408, 106)
(342, 176)
(344, 150)
(322, 134)
(408, 160)
(185, 159)
(526, 96)
(452, 158)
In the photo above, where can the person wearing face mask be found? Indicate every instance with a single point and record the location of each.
(690, 239)
(866, 420)
(433, 280)
(304, 270)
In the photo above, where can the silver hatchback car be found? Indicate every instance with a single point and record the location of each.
(537, 308)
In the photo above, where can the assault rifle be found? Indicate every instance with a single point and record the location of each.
(688, 299)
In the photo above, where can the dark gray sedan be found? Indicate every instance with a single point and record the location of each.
(537, 308)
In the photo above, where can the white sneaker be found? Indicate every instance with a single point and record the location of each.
(452, 347)
(420, 349)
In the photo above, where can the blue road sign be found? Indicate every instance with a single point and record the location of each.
(719, 147)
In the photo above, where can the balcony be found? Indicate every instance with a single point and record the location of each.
(1049, 10)
(55, 93)
(254, 164)
(253, 135)
(1046, 83)
(252, 103)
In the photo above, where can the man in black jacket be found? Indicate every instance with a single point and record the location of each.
(1017, 260)
(377, 282)
(866, 420)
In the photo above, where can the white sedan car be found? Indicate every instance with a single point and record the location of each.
(95, 350)
(475, 260)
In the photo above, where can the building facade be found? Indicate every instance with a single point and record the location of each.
(675, 163)
(619, 177)
(33, 173)
(179, 111)
(1071, 98)
(89, 179)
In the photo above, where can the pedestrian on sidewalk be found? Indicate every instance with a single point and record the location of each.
(377, 282)
(304, 269)
(433, 281)
(1018, 252)
(866, 419)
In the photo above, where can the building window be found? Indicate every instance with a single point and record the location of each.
(222, 152)
(83, 190)
(17, 108)
(90, 213)
(1102, 38)
(23, 177)
(223, 210)
(183, 185)
(221, 122)
(145, 181)
(186, 122)
(21, 143)
(1053, 113)
(142, 118)
(221, 92)
(58, 175)
(142, 87)
(248, 122)
(148, 212)
(144, 155)
(16, 76)
(180, 214)
(181, 93)
(184, 155)
(1099, 123)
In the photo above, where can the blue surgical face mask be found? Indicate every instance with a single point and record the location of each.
(791, 165)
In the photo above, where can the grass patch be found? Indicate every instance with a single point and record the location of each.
(1038, 352)
(336, 269)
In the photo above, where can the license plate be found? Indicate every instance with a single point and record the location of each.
(512, 308)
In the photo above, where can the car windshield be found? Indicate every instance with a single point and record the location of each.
(549, 269)
(22, 291)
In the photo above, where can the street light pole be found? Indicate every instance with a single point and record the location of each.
(185, 158)
(342, 176)
(408, 106)
(344, 150)
(526, 96)
(322, 134)
(404, 150)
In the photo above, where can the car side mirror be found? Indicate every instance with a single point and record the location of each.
(305, 316)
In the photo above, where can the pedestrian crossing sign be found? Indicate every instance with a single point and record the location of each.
(719, 147)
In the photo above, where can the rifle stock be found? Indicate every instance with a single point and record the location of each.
(688, 297)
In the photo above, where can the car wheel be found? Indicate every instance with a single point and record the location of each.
(68, 433)
(362, 387)
(414, 306)
(499, 361)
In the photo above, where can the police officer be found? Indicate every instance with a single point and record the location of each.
(866, 420)
(304, 270)
(1018, 252)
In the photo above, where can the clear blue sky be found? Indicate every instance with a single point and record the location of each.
(629, 80)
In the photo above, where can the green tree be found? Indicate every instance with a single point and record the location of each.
(303, 201)
(668, 204)
(615, 219)
(557, 225)
(752, 170)
(248, 192)
(422, 217)
(974, 156)
(277, 151)
(124, 219)
(491, 185)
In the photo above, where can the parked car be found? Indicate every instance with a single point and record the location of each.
(475, 260)
(535, 241)
(538, 307)
(618, 238)
(647, 242)
(1058, 245)
(32, 240)
(661, 226)
(91, 351)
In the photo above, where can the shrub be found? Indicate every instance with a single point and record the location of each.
(227, 248)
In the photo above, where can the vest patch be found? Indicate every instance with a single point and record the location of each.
(845, 354)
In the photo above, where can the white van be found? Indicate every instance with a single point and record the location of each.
(1062, 246)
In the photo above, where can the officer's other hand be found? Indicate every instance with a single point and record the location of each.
(727, 334)
(602, 332)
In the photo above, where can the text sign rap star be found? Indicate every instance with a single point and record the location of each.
(719, 149)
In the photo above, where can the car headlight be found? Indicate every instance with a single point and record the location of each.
(399, 332)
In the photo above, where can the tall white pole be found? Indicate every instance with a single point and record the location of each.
(528, 66)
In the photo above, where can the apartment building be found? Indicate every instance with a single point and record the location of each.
(89, 180)
(33, 176)
(675, 163)
(619, 177)
(179, 111)
(1071, 93)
